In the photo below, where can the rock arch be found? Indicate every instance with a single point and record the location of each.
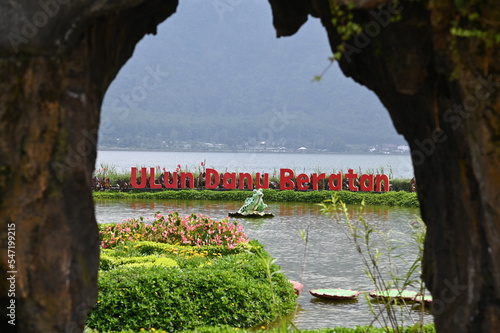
(57, 58)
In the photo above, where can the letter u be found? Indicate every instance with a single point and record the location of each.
(133, 178)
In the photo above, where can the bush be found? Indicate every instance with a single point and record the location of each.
(240, 290)
(393, 198)
(401, 185)
(108, 262)
(147, 247)
(194, 229)
(429, 328)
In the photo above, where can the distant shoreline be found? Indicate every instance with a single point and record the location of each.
(249, 151)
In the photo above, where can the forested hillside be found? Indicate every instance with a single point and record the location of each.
(216, 77)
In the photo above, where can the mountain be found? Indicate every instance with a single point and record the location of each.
(216, 77)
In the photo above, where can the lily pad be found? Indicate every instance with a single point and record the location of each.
(336, 293)
(393, 294)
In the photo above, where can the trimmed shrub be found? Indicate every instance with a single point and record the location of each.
(429, 328)
(179, 250)
(393, 198)
(108, 262)
(235, 290)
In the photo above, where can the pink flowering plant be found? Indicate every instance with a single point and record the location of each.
(194, 229)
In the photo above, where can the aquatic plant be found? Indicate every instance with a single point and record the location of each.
(384, 269)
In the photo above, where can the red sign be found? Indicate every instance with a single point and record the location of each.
(212, 179)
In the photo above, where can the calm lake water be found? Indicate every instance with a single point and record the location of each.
(400, 165)
(328, 261)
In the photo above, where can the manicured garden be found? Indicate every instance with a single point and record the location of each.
(181, 273)
(195, 274)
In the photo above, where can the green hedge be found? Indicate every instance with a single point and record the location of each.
(429, 328)
(393, 198)
(108, 262)
(239, 289)
(147, 248)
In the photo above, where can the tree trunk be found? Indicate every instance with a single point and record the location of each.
(57, 58)
(53, 81)
(442, 94)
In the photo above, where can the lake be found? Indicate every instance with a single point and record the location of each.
(396, 166)
(328, 261)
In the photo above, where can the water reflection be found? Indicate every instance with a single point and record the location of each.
(328, 261)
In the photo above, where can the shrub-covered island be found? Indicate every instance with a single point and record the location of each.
(180, 273)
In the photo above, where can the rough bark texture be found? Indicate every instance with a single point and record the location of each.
(442, 94)
(57, 59)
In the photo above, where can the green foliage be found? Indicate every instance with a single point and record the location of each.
(194, 229)
(382, 268)
(237, 289)
(109, 171)
(401, 185)
(343, 20)
(393, 198)
(471, 22)
(177, 250)
(358, 329)
(108, 262)
(489, 36)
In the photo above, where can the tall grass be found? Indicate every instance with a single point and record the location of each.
(382, 264)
